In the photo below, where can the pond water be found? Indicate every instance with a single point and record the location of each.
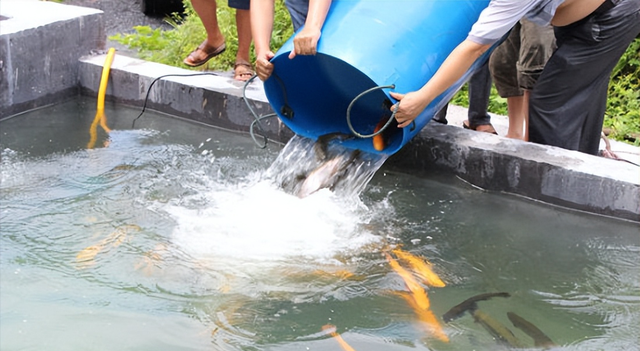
(172, 236)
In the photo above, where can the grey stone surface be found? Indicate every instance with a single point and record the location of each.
(40, 43)
(211, 98)
(548, 174)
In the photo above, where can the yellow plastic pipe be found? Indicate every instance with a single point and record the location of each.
(102, 91)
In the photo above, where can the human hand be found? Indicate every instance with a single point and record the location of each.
(412, 105)
(305, 42)
(264, 67)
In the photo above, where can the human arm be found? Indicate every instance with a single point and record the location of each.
(306, 41)
(262, 13)
(494, 22)
(411, 104)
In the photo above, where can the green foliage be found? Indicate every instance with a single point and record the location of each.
(282, 26)
(623, 105)
(172, 46)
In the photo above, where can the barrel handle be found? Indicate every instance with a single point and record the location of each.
(393, 114)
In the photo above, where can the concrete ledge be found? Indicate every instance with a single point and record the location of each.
(40, 43)
(549, 174)
(214, 99)
(545, 173)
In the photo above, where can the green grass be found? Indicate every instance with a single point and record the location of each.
(172, 46)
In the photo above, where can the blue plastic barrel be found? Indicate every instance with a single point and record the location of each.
(367, 44)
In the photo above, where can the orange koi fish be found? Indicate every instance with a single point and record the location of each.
(427, 317)
(86, 257)
(418, 292)
(332, 331)
(421, 267)
(378, 140)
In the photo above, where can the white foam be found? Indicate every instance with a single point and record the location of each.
(259, 222)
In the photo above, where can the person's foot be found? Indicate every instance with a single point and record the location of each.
(203, 53)
(242, 71)
(485, 128)
(516, 136)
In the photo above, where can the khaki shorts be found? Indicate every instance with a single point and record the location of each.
(518, 62)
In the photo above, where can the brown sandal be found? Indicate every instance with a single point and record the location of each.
(208, 51)
(486, 128)
(242, 71)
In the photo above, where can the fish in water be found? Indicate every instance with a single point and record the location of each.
(326, 175)
(469, 305)
(540, 339)
(322, 177)
(425, 316)
(498, 330)
(86, 257)
(418, 300)
(331, 329)
(421, 267)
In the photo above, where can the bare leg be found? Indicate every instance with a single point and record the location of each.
(243, 26)
(527, 94)
(206, 10)
(516, 106)
(243, 70)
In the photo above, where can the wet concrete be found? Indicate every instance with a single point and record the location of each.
(553, 175)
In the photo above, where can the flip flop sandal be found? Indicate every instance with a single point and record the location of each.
(490, 129)
(209, 54)
(244, 73)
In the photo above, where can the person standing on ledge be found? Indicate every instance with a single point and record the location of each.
(310, 13)
(568, 102)
(215, 45)
(515, 66)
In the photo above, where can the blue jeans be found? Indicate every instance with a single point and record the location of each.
(479, 93)
(298, 11)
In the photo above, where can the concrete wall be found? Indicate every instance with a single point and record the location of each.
(213, 98)
(40, 43)
(549, 174)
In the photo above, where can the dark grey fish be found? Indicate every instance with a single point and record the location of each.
(469, 305)
(321, 146)
(540, 339)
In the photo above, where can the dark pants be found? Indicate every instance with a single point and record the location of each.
(569, 100)
(479, 92)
